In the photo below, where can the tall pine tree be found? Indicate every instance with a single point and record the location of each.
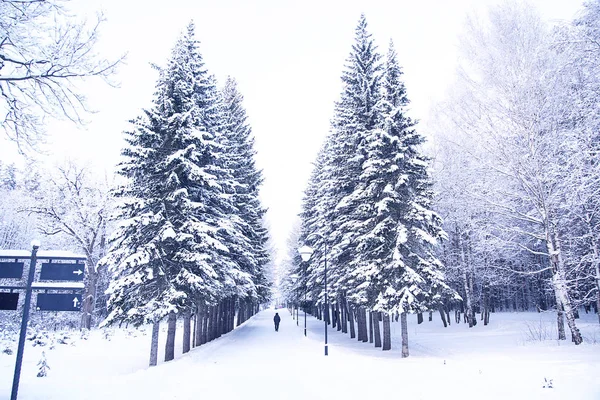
(169, 251)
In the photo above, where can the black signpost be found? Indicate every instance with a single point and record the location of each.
(69, 268)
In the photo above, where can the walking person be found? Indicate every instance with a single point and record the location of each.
(277, 320)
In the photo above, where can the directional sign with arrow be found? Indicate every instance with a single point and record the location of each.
(62, 272)
(59, 302)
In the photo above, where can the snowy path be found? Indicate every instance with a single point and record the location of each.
(255, 362)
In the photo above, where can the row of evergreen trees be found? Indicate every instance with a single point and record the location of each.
(191, 239)
(367, 209)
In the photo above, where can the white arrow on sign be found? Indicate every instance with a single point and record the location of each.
(78, 272)
(75, 302)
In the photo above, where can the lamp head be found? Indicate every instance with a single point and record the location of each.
(305, 252)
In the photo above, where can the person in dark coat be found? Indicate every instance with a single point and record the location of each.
(277, 320)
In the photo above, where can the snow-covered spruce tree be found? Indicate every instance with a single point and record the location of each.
(251, 253)
(355, 116)
(168, 251)
(397, 232)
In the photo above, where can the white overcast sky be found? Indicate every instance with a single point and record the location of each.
(287, 57)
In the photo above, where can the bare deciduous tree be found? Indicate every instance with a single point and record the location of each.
(44, 52)
(76, 207)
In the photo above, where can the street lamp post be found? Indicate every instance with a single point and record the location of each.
(306, 252)
(294, 279)
(326, 300)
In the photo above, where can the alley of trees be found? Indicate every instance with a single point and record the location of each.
(492, 207)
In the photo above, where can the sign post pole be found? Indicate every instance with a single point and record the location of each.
(17, 376)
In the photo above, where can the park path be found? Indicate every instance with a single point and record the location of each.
(251, 362)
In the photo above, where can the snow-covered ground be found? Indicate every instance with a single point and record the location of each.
(499, 361)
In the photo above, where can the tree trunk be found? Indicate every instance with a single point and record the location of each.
(205, 313)
(344, 311)
(232, 317)
(170, 346)
(211, 324)
(154, 343)
(376, 331)
(404, 328)
(370, 326)
(186, 331)
(359, 324)
(447, 314)
(365, 334)
(597, 270)
(430, 316)
(338, 320)
(215, 322)
(466, 285)
(198, 326)
(333, 319)
(219, 320)
(387, 335)
(89, 296)
(194, 327)
(443, 317)
(560, 285)
(351, 321)
(419, 318)
(560, 321)
(240, 312)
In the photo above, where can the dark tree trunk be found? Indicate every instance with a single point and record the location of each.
(232, 314)
(419, 318)
(215, 322)
(170, 346)
(387, 336)
(370, 326)
(344, 308)
(205, 334)
(359, 323)
(337, 316)
(194, 327)
(198, 326)
(219, 320)
(351, 321)
(430, 316)
(211, 323)
(186, 331)
(154, 344)
(240, 312)
(448, 315)
(363, 314)
(443, 317)
(376, 331)
(333, 319)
